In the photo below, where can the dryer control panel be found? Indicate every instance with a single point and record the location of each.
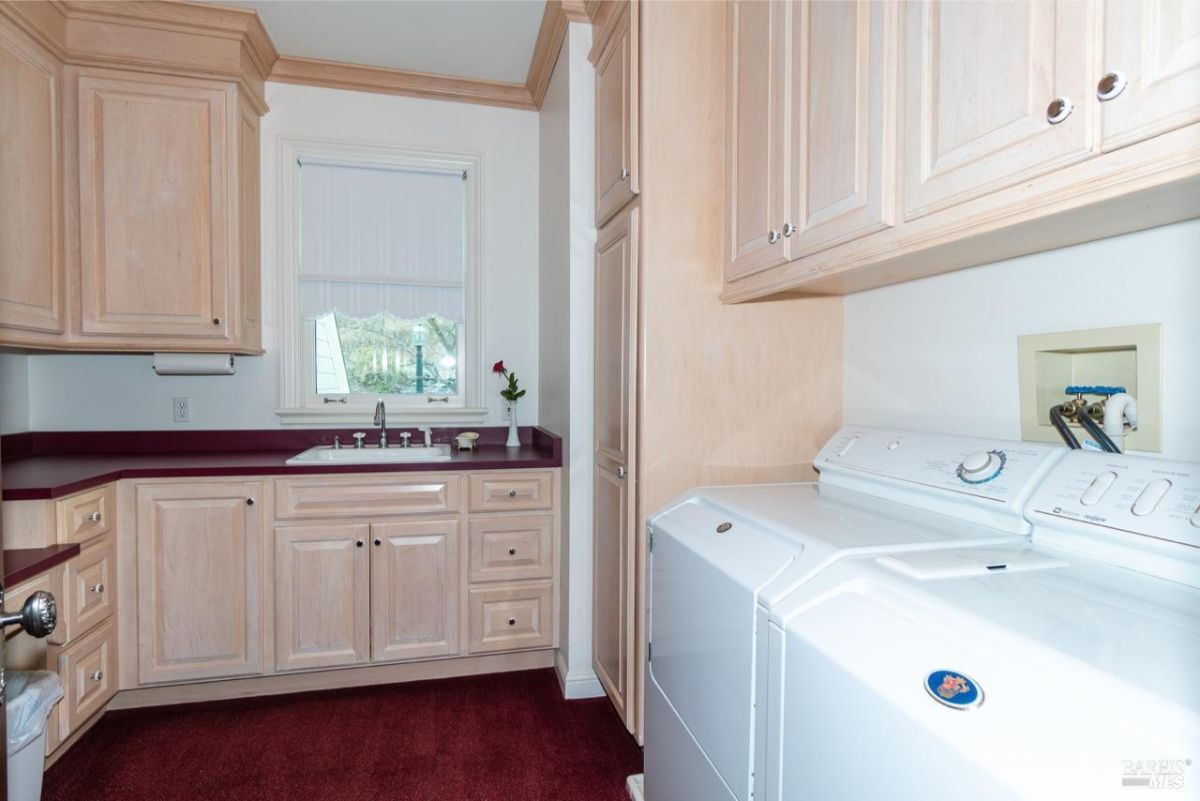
(985, 480)
(1140, 495)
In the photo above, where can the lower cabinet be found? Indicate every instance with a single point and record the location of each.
(350, 593)
(199, 570)
(322, 595)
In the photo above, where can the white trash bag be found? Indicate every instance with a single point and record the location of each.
(31, 694)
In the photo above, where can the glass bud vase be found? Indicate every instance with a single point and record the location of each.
(514, 437)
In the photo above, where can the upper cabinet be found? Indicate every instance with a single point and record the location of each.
(1151, 69)
(615, 55)
(134, 214)
(31, 215)
(926, 136)
(989, 89)
(810, 128)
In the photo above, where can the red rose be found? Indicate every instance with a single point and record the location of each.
(498, 367)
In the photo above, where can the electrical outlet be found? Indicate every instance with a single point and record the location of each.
(181, 410)
(507, 410)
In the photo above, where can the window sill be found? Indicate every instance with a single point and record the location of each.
(301, 417)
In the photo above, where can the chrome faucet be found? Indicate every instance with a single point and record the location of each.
(381, 421)
(428, 432)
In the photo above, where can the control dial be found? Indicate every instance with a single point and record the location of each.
(980, 466)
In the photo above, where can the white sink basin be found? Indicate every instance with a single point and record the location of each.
(324, 454)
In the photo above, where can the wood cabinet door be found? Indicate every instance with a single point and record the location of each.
(31, 211)
(755, 137)
(1155, 45)
(415, 574)
(617, 117)
(322, 595)
(615, 425)
(843, 122)
(157, 166)
(199, 571)
(979, 79)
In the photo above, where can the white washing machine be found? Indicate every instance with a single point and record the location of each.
(1068, 668)
(721, 558)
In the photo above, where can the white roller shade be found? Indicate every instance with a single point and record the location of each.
(381, 241)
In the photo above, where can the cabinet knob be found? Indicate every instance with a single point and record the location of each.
(622, 472)
(512, 551)
(216, 321)
(249, 501)
(1111, 85)
(788, 229)
(378, 541)
(1059, 109)
(358, 543)
(624, 173)
(512, 493)
(512, 621)
(94, 517)
(772, 236)
(97, 676)
(98, 589)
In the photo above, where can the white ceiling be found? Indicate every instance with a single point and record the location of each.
(488, 39)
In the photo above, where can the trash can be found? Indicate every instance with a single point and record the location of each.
(31, 694)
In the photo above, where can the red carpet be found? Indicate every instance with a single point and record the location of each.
(505, 737)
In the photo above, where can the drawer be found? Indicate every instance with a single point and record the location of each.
(86, 515)
(88, 669)
(508, 548)
(332, 496)
(511, 492)
(88, 591)
(52, 582)
(510, 618)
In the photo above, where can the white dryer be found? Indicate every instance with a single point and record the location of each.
(720, 558)
(1068, 668)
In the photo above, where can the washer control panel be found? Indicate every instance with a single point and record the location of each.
(1136, 494)
(995, 470)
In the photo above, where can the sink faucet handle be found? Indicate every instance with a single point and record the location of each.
(405, 437)
(359, 436)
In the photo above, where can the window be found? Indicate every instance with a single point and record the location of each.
(381, 291)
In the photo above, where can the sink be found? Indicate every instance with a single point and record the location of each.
(325, 454)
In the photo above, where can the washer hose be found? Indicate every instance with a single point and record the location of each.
(1060, 425)
(1096, 431)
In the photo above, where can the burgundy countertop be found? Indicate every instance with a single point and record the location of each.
(52, 464)
(23, 563)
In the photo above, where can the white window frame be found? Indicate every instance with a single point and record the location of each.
(298, 402)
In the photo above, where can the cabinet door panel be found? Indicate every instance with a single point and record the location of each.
(322, 596)
(31, 214)
(414, 589)
(155, 174)
(842, 121)
(979, 78)
(756, 130)
(616, 117)
(199, 581)
(1156, 44)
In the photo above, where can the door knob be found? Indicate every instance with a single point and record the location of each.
(37, 617)
(1111, 85)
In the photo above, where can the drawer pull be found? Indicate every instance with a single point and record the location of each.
(512, 551)
(512, 621)
(512, 493)
(97, 676)
(98, 589)
(94, 517)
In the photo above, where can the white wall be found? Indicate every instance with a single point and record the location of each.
(567, 240)
(81, 392)
(940, 354)
(14, 393)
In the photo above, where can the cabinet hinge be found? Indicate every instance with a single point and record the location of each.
(649, 651)
(650, 540)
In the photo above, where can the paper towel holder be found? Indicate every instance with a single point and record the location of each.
(194, 363)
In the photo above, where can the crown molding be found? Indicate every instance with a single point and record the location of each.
(546, 49)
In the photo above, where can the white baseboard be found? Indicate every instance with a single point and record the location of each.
(580, 684)
(636, 786)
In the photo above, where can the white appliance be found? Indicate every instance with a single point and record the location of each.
(722, 558)
(1064, 669)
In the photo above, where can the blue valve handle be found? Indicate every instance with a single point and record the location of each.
(1082, 390)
